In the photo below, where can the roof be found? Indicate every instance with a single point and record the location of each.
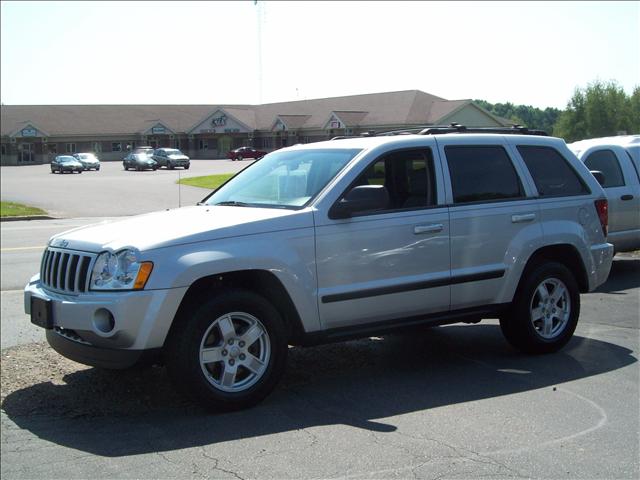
(408, 107)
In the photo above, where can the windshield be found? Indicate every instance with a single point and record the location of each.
(173, 152)
(288, 179)
(66, 159)
(86, 156)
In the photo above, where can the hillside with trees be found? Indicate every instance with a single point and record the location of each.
(524, 114)
(600, 109)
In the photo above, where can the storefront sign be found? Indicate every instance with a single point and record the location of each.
(158, 130)
(220, 121)
(29, 132)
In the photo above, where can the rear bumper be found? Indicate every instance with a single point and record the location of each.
(602, 257)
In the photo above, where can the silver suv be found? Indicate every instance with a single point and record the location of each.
(328, 241)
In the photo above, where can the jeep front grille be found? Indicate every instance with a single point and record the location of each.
(65, 271)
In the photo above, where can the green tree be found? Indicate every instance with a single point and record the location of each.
(523, 114)
(601, 109)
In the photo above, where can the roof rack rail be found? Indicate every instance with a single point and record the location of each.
(370, 133)
(451, 128)
(457, 128)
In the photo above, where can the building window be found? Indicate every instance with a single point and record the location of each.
(176, 143)
(97, 147)
(116, 147)
(203, 144)
(4, 149)
(70, 148)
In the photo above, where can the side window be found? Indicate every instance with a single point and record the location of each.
(482, 173)
(551, 172)
(607, 163)
(408, 177)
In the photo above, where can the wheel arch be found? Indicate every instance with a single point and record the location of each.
(261, 282)
(565, 254)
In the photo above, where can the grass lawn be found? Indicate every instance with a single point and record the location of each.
(11, 209)
(210, 182)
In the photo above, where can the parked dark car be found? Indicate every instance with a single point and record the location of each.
(245, 152)
(139, 161)
(88, 160)
(66, 163)
(170, 158)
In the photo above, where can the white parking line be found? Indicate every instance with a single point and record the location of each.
(15, 249)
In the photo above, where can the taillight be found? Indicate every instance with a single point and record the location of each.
(602, 207)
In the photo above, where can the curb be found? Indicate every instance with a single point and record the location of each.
(27, 217)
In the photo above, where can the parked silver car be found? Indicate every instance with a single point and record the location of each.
(171, 158)
(618, 159)
(329, 241)
(88, 160)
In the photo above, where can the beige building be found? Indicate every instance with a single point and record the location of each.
(35, 133)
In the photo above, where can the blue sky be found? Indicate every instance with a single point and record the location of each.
(208, 52)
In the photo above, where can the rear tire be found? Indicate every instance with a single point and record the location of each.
(227, 352)
(545, 310)
(239, 158)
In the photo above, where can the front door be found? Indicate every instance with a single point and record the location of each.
(387, 264)
(25, 153)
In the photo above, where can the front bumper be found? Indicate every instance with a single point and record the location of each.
(111, 358)
(140, 322)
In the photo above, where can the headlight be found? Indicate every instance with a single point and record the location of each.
(120, 271)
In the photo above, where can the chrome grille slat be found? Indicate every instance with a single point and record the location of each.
(66, 271)
(67, 276)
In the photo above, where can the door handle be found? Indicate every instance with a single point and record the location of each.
(626, 197)
(434, 228)
(527, 217)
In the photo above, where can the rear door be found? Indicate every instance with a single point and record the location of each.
(492, 216)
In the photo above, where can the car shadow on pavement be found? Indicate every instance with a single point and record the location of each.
(353, 383)
(624, 275)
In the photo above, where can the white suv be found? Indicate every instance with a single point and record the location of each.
(327, 241)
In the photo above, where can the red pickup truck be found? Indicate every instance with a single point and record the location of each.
(245, 152)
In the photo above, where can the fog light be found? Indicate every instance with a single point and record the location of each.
(103, 320)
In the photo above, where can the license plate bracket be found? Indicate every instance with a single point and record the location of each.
(42, 313)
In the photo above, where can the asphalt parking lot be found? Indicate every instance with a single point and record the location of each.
(110, 192)
(448, 402)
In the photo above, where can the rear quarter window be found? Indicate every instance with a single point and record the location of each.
(551, 172)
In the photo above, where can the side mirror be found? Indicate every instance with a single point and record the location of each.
(364, 198)
(599, 176)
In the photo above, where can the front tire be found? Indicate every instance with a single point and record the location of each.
(228, 352)
(545, 311)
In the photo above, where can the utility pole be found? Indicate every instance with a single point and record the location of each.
(260, 19)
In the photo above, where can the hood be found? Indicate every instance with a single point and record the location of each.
(178, 157)
(180, 226)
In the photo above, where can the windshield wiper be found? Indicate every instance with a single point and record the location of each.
(232, 203)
